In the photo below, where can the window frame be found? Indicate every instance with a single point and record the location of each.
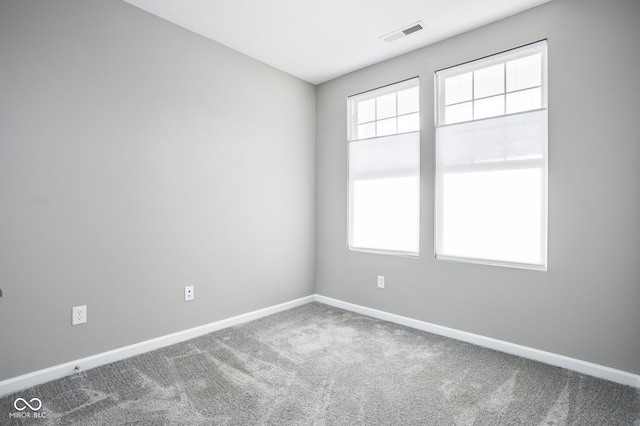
(520, 164)
(352, 137)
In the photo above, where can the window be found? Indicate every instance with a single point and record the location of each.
(384, 169)
(491, 160)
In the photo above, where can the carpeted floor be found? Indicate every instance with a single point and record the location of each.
(319, 365)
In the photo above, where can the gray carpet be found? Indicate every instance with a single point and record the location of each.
(319, 365)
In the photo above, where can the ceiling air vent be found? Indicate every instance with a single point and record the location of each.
(403, 32)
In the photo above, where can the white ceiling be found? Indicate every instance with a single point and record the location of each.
(318, 40)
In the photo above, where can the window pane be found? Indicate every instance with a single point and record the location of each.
(493, 215)
(488, 81)
(458, 113)
(366, 131)
(385, 214)
(457, 89)
(489, 107)
(366, 111)
(409, 123)
(525, 100)
(524, 73)
(386, 127)
(408, 100)
(386, 106)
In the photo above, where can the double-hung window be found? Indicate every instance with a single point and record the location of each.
(491, 160)
(384, 170)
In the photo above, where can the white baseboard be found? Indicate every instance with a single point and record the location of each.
(580, 366)
(28, 380)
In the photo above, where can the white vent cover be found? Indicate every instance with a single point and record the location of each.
(403, 32)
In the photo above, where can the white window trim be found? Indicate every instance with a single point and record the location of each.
(352, 126)
(513, 54)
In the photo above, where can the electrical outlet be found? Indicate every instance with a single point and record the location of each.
(188, 293)
(380, 281)
(78, 315)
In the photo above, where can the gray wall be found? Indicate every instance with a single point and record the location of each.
(586, 305)
(137, 158)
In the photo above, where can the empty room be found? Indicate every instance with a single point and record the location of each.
(320, 213)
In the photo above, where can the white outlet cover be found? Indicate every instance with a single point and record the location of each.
(188, 293)
(380, 281)
(79, 315)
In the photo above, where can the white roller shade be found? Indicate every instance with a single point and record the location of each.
(371, 158)
(384, 194)
(499, 139)
(491, 190)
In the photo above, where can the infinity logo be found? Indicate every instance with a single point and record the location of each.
(24, 404)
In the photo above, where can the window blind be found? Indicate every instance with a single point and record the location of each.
(491, 193)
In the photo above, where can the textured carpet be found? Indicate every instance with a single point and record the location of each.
(319, 365)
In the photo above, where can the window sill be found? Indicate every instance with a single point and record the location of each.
(529, 266)
(409, 254)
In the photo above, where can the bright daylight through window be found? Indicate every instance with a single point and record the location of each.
(384, 170)
(491, 160)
